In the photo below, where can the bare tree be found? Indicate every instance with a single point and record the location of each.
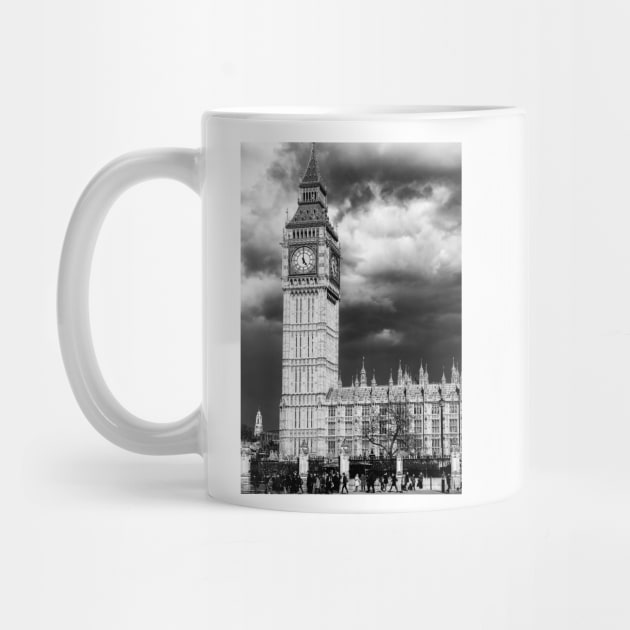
(247, 433)
(388, 428)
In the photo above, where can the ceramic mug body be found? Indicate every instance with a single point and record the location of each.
(365, 308)
(311, 298)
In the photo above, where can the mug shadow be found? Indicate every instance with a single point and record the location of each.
(130, 477)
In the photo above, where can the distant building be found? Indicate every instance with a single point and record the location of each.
(410, 415)
(258, 427)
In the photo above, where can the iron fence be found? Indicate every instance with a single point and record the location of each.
(262, 471)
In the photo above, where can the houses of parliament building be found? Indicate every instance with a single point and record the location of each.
(319, 414)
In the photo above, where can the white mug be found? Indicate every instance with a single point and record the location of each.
(371, 267)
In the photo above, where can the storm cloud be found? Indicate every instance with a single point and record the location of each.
(397, 208)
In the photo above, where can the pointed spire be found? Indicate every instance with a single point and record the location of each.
(399, 381)
(339, 383)
(443, 376)
(391, 378)
(363, 375)
(312, 200)
(311, 175)
(454, 373)
(373, 377)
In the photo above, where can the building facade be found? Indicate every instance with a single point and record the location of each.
(317, 412)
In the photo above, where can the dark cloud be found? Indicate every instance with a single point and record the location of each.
(398, 210)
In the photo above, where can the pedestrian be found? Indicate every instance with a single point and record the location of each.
(372, 482)
(420, 480)
(394, 484)
(384, 483)
(357, 482)
(363, 483)
(344, 483)
(443, 482)
(448, 483)
(309, 484)
(300, 483)
(276, 484)
(318, 484)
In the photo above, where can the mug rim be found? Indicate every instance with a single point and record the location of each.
(385, 112)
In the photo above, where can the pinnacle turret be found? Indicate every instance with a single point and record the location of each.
(454, 373)
(363, 375)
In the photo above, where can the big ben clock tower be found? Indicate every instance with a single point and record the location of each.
(310, 328)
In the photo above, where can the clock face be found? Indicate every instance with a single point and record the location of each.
(334, 267)
(303, 260)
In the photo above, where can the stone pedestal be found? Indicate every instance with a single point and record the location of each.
(245, 463)
(456, 471)
(399, 470)
(245, 470)
(303, 464)
(344, 464)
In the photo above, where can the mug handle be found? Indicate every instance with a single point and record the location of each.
(96, 400)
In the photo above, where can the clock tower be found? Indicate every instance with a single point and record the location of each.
(310, 325)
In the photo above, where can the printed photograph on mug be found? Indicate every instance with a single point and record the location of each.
(351, 318)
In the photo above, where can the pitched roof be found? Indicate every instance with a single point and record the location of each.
(308, 213)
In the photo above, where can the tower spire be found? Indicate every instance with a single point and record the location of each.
(312, 200)
(454, 373)
(312, 176)
(258, 427)
(363, 375)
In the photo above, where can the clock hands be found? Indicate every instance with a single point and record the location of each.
(303, 259)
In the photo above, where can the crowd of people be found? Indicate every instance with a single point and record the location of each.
(331, 482)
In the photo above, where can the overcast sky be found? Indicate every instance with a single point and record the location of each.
(397, 208)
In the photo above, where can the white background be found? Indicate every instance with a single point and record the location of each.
(94, 537)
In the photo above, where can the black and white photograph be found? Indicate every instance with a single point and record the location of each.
(351, 271)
